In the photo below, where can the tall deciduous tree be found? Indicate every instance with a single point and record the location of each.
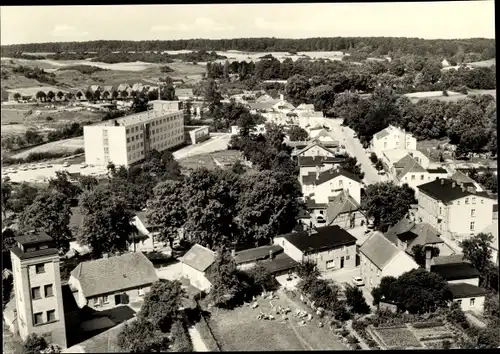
(225, 282)
(51, 213)
(267, 204)
(351, 164)
(417, 291)
(6, 194)
(356, 300)
(212, 95)
(24, 197)
(211, 197)
(62, 184)
(141, 336)
(87, 182)
(477, 250)
(106, 226)
(297, 133)
(419, 253)
(161, 304)
(396, 200)
(166, 209)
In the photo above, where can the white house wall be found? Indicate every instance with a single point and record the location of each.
(477, 306)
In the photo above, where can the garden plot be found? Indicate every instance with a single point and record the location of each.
(397, 337)
(432, 331)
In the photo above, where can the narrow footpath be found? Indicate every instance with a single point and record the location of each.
(198, 344)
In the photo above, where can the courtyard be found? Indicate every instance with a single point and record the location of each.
(345, 276)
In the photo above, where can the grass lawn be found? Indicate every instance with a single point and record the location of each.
(67, 145)
(239, 329)
(397, 338)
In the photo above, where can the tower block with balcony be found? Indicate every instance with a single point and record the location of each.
(37, 288)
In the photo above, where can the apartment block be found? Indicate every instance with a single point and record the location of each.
(453, 209)
(127, 140)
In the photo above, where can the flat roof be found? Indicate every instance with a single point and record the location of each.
(33, 238)
(40, 253)
(137, 118)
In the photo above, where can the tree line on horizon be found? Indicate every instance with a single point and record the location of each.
(376, 46)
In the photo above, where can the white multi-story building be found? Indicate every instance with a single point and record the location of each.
(392, 138)
(127, 140)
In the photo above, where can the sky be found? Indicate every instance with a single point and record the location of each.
(429, 20)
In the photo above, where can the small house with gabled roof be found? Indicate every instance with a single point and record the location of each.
(196, 264)
(111, 281)
(380, 258)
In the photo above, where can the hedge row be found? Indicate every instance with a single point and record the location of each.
(40, 156)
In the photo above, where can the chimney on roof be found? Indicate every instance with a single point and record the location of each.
(442, 182)
(453, 184)
(270, 254)
(463, 188)
(428, 257)
(105, 256)
(233, 253)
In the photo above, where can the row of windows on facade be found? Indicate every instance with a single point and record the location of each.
(397, 144)
(472, 212)
(156, 131)
(331, 263)
(50, 316)
(155, 123)
(48, 291)
(431, 202)
(472, 302)
(100, 300)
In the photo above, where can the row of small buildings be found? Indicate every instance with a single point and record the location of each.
(94, 92)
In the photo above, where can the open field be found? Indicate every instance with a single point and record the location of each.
(239, 329)
(485, 63)
(115, 74)
(56, 146)
(15, 121)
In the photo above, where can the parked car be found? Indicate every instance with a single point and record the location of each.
(358, 281)
(84, 165)
(381, 172)
(66, 164)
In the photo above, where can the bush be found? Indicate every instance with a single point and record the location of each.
(373, 158)
(180, 335)
(446, 344)
(84, 69)
(34, 344)
(352, 340)
(427, 324)
(40, 156)
(7, 286)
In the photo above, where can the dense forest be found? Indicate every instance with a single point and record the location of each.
(372, 45)
(406, 74)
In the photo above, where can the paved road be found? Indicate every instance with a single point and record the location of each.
(353, 146)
